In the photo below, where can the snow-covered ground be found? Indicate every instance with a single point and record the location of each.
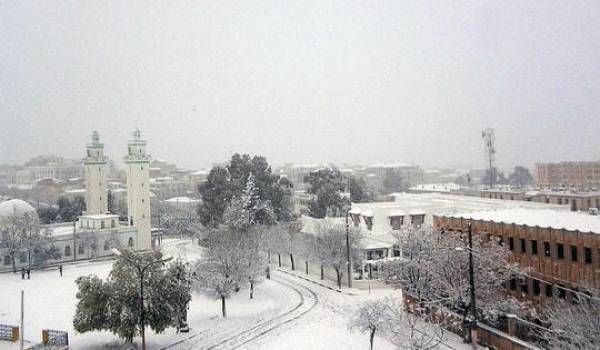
(287, 312)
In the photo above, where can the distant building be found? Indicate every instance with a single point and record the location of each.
(574, 200)
(578, 175)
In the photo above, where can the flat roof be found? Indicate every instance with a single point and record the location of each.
(567, 220)
(100, 216)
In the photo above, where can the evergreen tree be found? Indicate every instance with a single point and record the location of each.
(325, 186)
(114, 305)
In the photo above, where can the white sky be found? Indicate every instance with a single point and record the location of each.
(302, 81)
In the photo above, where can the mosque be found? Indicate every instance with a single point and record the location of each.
(97, 231)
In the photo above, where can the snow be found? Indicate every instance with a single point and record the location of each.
(568, 220)
(15, 207)
(182, 200)
(100, 216)
(354, 211)
(287, 312)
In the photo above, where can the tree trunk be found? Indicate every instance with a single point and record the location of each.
(223, 308)
(322, 272)
(279, 259)
(372, 338)
(269, 254)
(306, 264)
(339, 278)
(14, 265)
(292, 261)
(251, 290)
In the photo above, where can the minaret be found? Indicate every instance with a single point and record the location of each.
(138, 189)
(95, 168)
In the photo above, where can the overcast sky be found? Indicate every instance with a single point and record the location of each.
(302, 81)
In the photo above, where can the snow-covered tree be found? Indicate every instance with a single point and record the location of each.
(435, 268)
(574, 326)
(114, 304)
(373, 316)
(332, 251)
(221, 273)
(415, 330)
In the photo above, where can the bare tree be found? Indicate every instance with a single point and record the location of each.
(331, 244)
(415, 330)
(220, 274)
(373, 316)
(434, 268)
(573, 325)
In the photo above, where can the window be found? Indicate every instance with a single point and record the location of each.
(560, 251)
(524, 286)
(368, 222)
(523, 246)
(536, 287)
(548, 290)
(112, 223)
(22, 257)
(560, 201)
(500, 240)
(7, 260)
(100, 197)
(356, 220)
(396, 251)
(573, 253)
(68, 250)
(130, 242)
(534, 247)
(101, 224)
(100, 183)
(547, 249)
(513, 284)
(106, 245)
(588, 255)
(417, 219)
(81, 249)
(511, 243)
(396, 222)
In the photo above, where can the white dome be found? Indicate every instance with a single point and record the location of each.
(15, 207)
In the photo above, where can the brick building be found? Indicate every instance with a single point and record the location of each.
(576, 201)
(562, 249)
(580, 175)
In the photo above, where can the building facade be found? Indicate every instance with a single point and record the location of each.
(579, 175)
(560, 249)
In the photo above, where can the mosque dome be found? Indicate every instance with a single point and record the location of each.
(15, 207)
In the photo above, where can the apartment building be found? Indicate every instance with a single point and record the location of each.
(579, 175)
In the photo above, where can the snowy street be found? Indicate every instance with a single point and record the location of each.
(286, 307)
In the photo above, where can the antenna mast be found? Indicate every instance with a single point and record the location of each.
(489, 142)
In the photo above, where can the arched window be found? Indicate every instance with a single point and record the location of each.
(130, 242)
(68, 250)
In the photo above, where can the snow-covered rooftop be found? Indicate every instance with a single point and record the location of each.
(538, 217)
(182, 200)
(100, 216)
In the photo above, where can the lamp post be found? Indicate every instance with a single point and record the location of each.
(141, 269)
(473, 308)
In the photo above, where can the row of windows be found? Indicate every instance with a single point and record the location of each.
(550, 290)
(395, 221)
(560, 250)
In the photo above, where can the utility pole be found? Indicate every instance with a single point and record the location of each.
(473, 321)
(348, 251)
(22, 330)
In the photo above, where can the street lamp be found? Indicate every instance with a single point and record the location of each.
(473, 322)
(141, 269)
